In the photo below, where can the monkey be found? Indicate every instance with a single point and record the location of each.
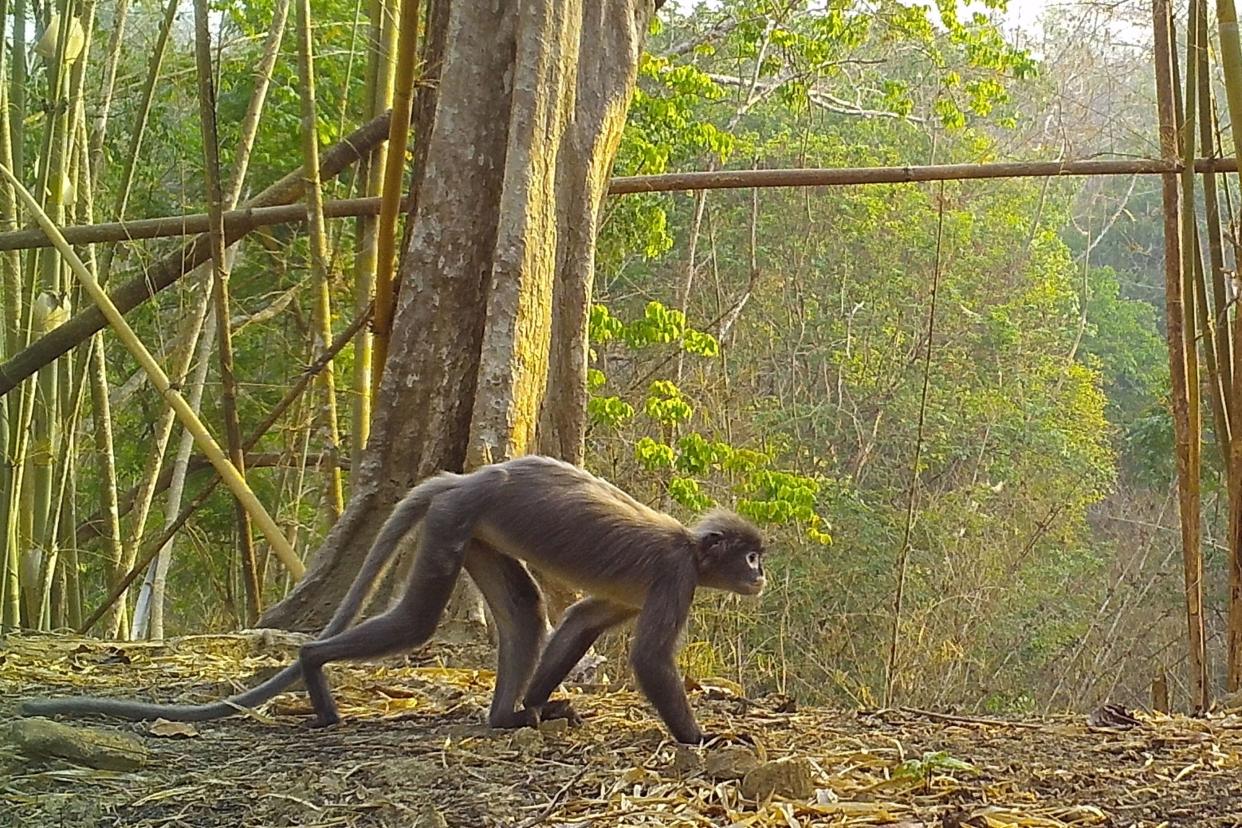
(631, 561)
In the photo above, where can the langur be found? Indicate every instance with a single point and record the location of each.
(632, 561)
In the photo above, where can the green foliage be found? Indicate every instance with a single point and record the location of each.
(609, 411)
(920, 771)
(666, 405)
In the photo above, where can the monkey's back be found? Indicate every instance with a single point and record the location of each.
(558, 517)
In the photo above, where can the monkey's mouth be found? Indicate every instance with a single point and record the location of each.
(756, 587)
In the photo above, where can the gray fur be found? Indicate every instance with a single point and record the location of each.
(408, 511)
(633, 561)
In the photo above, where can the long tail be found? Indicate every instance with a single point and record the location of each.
(408, 511)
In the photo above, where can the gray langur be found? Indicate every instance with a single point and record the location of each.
(631, 561)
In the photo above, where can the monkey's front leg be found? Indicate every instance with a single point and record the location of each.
(652, 655)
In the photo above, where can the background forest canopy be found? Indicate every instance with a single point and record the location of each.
(770, 350)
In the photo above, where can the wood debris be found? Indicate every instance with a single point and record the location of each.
(414, 750)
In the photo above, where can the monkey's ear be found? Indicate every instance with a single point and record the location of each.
(710, 538)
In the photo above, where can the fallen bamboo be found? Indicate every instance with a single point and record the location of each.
(172, 267)
(747, 179)
(244, 220)
(237, 485)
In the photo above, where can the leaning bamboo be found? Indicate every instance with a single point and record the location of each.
(1231, 62)
(220, 298)
(1188, 500)
(86, 529)
(153, 547)
(321, 327)
(394, 172)
(160, 381)
(172, 267)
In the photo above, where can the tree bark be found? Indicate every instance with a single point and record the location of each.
(517, 135)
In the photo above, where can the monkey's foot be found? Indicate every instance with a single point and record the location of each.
(323, 721)
(559, 709)
(512, 721)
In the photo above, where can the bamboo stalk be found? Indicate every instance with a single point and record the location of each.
(172, 267)
(160, 381)
(1231, 61)
(254, 109)
(394, 171)
(220, 297)
(243, 220)
(321, 328)
(380, 70)
(149, 608)
(1215, 242)
(18, 89)
(235, 221)
(105, 456)
(99, 132)
(1179, 372)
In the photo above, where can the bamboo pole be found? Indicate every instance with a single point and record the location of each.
(161, 383)
(321, 327)
(1231, 61)
(745, 179)
(1184, 430)
(1215, 241)
(172, 267)
(220, 297)
(380, 70)
(235, 221)
(394, 172)
(149, 606)
(241, 221)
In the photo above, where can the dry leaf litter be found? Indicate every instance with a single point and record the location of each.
(413, 751)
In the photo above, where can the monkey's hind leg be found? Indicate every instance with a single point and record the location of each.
(521, 625)
(407, 625)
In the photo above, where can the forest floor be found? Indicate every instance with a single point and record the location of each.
(413, 751)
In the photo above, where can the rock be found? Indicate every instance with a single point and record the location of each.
(95, 748)
(429, 817)
(730, 762)
(526, 738)
(788, 778)
(687, 761)
(554, 726)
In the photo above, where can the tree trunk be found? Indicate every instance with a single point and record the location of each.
(488, 355)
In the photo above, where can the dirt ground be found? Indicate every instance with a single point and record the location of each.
(413, 752)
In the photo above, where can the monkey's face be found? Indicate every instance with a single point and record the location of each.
(732, 562)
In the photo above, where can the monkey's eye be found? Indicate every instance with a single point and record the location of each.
(752, 560)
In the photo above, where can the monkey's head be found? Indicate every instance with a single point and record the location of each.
(729, 553)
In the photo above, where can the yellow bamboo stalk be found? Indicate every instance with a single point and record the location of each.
(394, 168)
(322, 328)
(1231, 62)
(380, 70)
(159, 380)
